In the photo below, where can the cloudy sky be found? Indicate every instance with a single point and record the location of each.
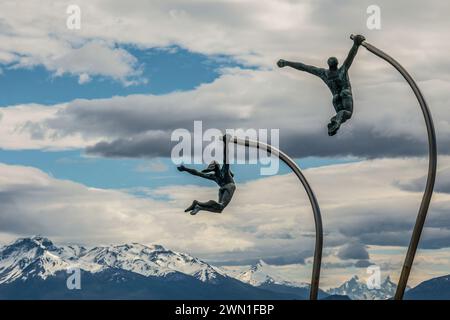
(86, 117)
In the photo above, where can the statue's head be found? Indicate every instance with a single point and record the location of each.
(332, 63)
(212, 167)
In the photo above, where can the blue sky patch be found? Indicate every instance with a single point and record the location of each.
(167, 70)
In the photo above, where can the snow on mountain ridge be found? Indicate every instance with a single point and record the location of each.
(38, 256)
(150, 261)
(355, 289)
(262, 273)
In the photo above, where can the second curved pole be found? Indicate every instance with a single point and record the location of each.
(432, 165)
(314, 290)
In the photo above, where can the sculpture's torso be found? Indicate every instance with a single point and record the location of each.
(224, 177)
(337, 81)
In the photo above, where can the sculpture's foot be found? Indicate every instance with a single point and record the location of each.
(191, 207)
(195, 211)
(333, 127)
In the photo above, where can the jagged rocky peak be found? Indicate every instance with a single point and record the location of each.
(138, 246)
(262, 273)
(34, 241)
(357, 289)
(258, 266)
(261, 263)
(35, 245)
(157, 247)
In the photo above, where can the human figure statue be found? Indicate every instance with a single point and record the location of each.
(222, 176)
(337, 81)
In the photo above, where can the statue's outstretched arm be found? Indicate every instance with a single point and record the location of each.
(302, 67)
(196, 172)
(351, 55)
(357, 40)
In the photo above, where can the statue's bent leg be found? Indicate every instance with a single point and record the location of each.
(344, 111)
(343, 116)
(210, 205)
(225, 195)
(192, 206)
(347, 106)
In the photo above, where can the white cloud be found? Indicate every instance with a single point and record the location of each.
(152, 166)
(97, 58)
(256, 32)
(20, 128)
(84, 78)
(36, 34)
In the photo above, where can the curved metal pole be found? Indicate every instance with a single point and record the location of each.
(431, 177)
(314, 204)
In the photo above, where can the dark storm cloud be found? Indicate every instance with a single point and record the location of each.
(146, 145)
(363, 263)
(136, 114)
(391, 228)
(360, 143)
(442, 182)
(383, 238)
(292, 258)
(373, 222)
(353, 250)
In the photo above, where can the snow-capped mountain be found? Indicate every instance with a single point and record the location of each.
(356, 289)
(35, 268)
(267, 277)
(152, 260)
(38, 256)
(263, 273)
(30, 257)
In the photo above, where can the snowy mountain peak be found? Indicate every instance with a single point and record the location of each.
(157, 247)
(152, 260)
(33, 242)
(258, 266)
(356, 289)
(261, 263)
(262, 273)
(30, 257)
(38, 256)
(135, 247)
(355, 278)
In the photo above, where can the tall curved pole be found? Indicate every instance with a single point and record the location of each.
(314, 290)
(431, 177)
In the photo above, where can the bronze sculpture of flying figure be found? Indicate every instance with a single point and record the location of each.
(337, 81)
(222, 176)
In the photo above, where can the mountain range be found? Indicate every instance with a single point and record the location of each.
(36, 268)
(355, 289)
